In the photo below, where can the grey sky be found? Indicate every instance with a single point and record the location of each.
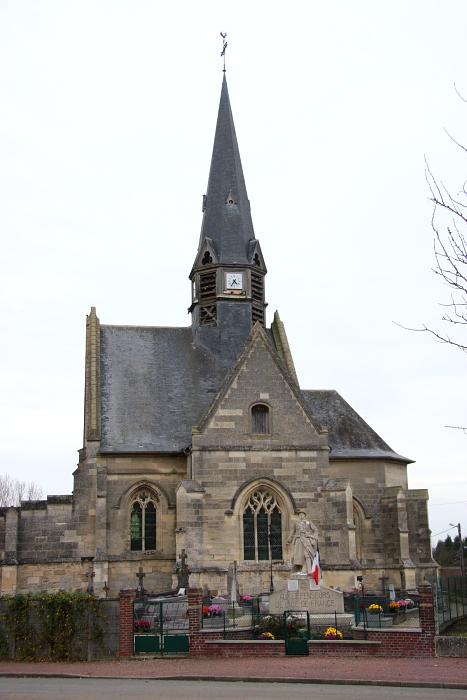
(106, 127)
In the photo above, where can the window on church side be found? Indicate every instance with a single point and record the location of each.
(143, 523)
(260, 419)
(262, 527)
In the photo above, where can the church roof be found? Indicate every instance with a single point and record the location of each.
(156, 383)
(229, 228)
(350, 437)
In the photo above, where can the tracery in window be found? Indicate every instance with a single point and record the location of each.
(260, 419)
(262, 527)
(143, 522)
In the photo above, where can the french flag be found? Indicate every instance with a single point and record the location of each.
(315, 567)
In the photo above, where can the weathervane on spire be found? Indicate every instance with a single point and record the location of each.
(224, 46)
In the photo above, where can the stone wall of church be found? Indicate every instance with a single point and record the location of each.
(369, 480)
(39, 531)
(158, 574)
(125, 476)
(230, 462)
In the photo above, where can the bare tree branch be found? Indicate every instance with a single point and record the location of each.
(450, 250)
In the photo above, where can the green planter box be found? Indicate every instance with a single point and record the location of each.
(146, 643)
(177, 644)
(296, 646)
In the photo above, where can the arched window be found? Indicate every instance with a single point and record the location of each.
(143, 522)
(260, 419)
(262, 527)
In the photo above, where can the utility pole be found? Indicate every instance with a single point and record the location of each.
(461, 546)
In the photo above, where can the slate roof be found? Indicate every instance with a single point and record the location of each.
(230, 228)
(156, 383)
(349, 435)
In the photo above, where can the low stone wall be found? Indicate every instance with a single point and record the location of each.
(401, 643)
(241, 648)
(451, 646)
(343, 647)
(108, 648)
(418, 642)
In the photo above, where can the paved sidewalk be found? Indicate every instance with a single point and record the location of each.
(441, 672)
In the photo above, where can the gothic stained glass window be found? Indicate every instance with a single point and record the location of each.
(262, 527)
(260, 419)
(143, 523)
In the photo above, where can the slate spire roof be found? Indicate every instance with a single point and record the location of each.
(227, 218)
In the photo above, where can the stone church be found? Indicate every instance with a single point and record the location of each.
(201, 439)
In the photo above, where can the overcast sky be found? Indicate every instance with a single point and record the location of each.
(107, 119)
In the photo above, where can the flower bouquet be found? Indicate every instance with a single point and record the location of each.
(141, 626)
(332, 633)
(266, 635)
(215, 610)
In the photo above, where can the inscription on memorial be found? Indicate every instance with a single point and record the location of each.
(319, 600)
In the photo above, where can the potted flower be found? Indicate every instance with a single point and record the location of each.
(246, 601)
(205, 611)
(215, 610)
(332, 633)
(375, 609)
(141, 626)
(266, 635)
(394, 606)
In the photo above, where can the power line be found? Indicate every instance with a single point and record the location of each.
(443, 531)
(430, 505)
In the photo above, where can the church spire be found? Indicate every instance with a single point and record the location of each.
(227, 217)
(228, 272)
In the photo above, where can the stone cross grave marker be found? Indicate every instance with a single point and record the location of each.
(140, 576)
(90, 575)
(184, 572)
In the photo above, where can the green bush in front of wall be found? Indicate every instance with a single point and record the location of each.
(49, 625)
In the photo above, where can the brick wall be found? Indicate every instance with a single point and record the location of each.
(126, 598)
(379, 642)
(408, 642)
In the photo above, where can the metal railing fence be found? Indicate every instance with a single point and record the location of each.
(384, 614)
(230, 618)
(450, 593)
(303, 624)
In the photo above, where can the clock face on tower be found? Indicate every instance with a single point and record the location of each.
(234, 280)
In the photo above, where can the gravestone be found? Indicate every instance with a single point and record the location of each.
(302, 593)
(206, 596)
(223, 602)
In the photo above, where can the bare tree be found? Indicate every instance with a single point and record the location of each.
(13, 491)
(450, 248)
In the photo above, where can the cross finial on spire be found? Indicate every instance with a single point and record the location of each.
(224, 46)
